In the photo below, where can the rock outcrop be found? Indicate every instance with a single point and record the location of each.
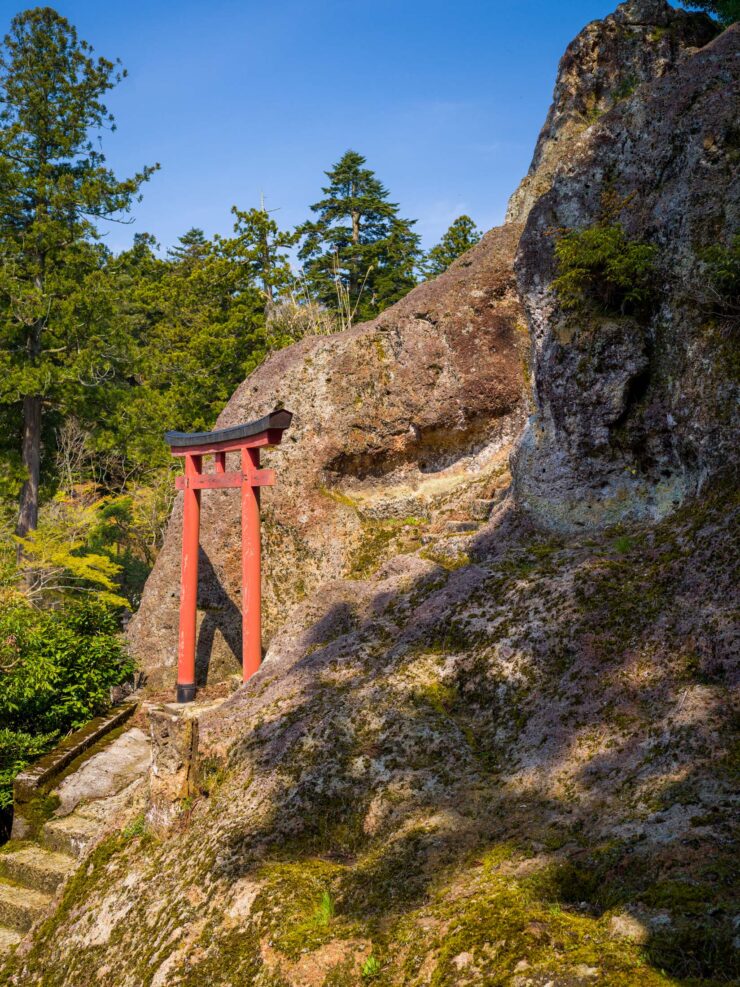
(635, 412)
(641, 41)
(391, 419)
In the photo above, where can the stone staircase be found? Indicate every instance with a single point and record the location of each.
(29, 877)
(448, 536)
(89, 797)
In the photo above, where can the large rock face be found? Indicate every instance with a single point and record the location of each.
(634, 413)
(391, 418)
(603, 65)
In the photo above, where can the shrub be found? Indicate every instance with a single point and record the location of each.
(600, 268)
(56, 670)
(17, 749)
(723, 275)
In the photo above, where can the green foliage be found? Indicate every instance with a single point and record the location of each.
(600, 268)
(58, 340)
(260, 246)
(61, 557)
(17, 749)
(723, 269)
(325, 910)
(725, 11)
(56, 670)
(195, 322)
(359, 256)
(461, 236)
(371, 967)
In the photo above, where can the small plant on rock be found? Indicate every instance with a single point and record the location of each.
(722, 265)
(600, 268)
(325, 911)
(371, 967)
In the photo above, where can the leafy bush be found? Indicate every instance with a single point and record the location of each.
(17, 749)
(56, 670)
(723, 270)
(600, 268)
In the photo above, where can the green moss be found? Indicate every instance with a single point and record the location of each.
(387, 880)
(229, 957)
(342, 975)
(297, 905)
(657, 34)
(378, 538)
(338, 497)
(625, 88)
(450, 563)
(379, 350)
(38, 811)
(504, 923)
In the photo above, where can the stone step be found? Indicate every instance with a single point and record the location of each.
(37, 868)
(8, 939)
(481, 509)
(460, 527)
(20, 907)
(70, 834)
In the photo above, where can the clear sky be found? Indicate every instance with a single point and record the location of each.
(238, 98)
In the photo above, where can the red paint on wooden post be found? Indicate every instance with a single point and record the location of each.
(189, 592)
(251, 566)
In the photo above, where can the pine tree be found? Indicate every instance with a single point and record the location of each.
(191, 247)
(359, 255)
(725, 11)
(54, 189)
(196, 323)
(260, 244)
(461, 236)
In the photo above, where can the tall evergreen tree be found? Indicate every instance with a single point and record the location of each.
(461, 236)
(54, 189)
(196, 324)
(725, 11)
(261, 244)
(359, 255)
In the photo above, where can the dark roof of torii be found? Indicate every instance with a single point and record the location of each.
(277, 420)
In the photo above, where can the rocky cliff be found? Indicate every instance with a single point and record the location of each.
(402, 426)
(641, 41)
(635, 405)
(508, 762)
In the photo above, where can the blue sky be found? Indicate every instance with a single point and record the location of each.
(238, 99)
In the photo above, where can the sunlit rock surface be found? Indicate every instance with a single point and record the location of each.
(641, 41)
(393, 419)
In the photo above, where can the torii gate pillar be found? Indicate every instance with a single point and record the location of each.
(247, 440)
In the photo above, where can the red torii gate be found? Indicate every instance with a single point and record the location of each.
(248, 440)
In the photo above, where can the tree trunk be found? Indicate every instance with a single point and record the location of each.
(28, 515)
(267, 273)
(354, 274)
